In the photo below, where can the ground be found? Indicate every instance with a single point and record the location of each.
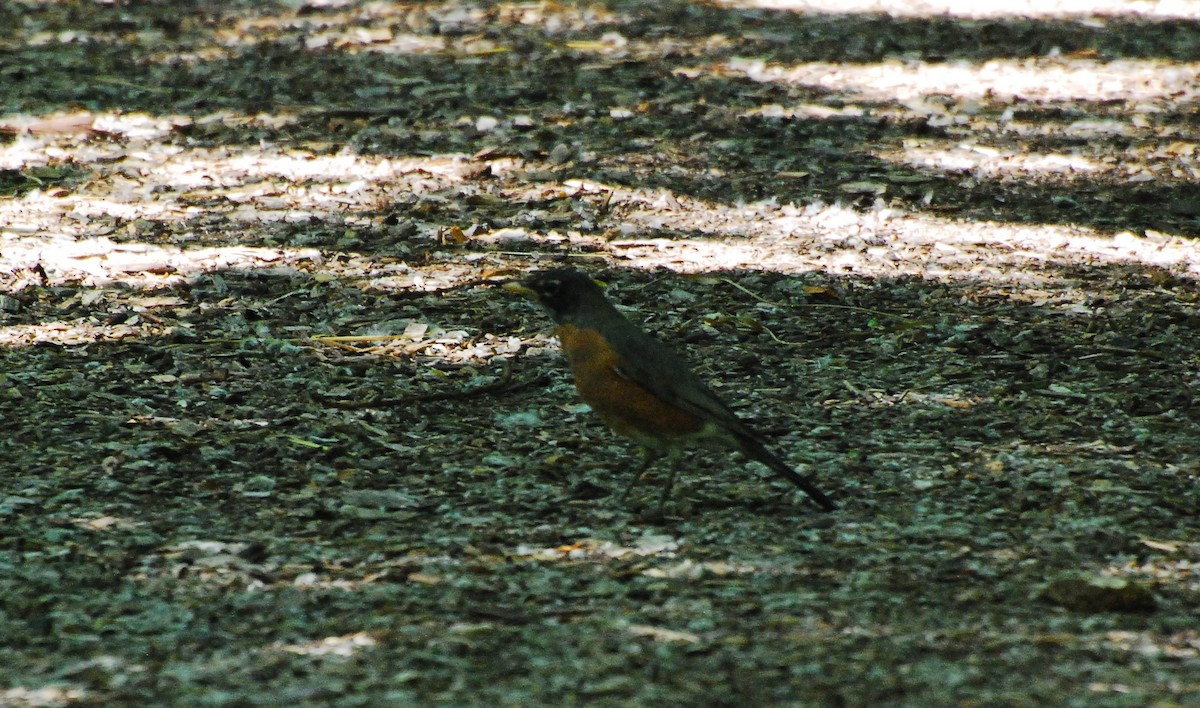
(271, 434)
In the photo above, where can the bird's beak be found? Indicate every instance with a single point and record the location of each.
(514, 286)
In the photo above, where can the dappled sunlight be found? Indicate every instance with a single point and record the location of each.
(181, 167)
(995, 9)
(414, 28)
(105, 523)
(1154, 154)
(883, 242)
(236, 193)
(379, 27)
(77, 332)
(40, 138)
(1137, 164)
(1184, 646)
(99, 261)
(245, 184)
(644, 227)
(596, 549)
(345, 646)
(983, 160)
(1035, 79)
(55, 694)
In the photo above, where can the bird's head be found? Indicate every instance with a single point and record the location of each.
(562, 291)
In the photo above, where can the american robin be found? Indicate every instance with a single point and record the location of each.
(642, 389)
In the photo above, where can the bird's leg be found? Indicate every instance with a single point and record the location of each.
(648, 458)
(673, 462)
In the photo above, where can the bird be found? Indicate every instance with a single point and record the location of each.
(638, 386)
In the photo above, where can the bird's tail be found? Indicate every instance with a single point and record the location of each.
(755, 450)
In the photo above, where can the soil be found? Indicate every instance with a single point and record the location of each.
(270, 433)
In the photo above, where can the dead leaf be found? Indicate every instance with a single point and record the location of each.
(453, 235)
(660, 634)
(425, 578)
(875, 188)
(70, 124)
(1166, 546)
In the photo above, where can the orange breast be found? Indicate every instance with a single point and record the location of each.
(626, 405)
